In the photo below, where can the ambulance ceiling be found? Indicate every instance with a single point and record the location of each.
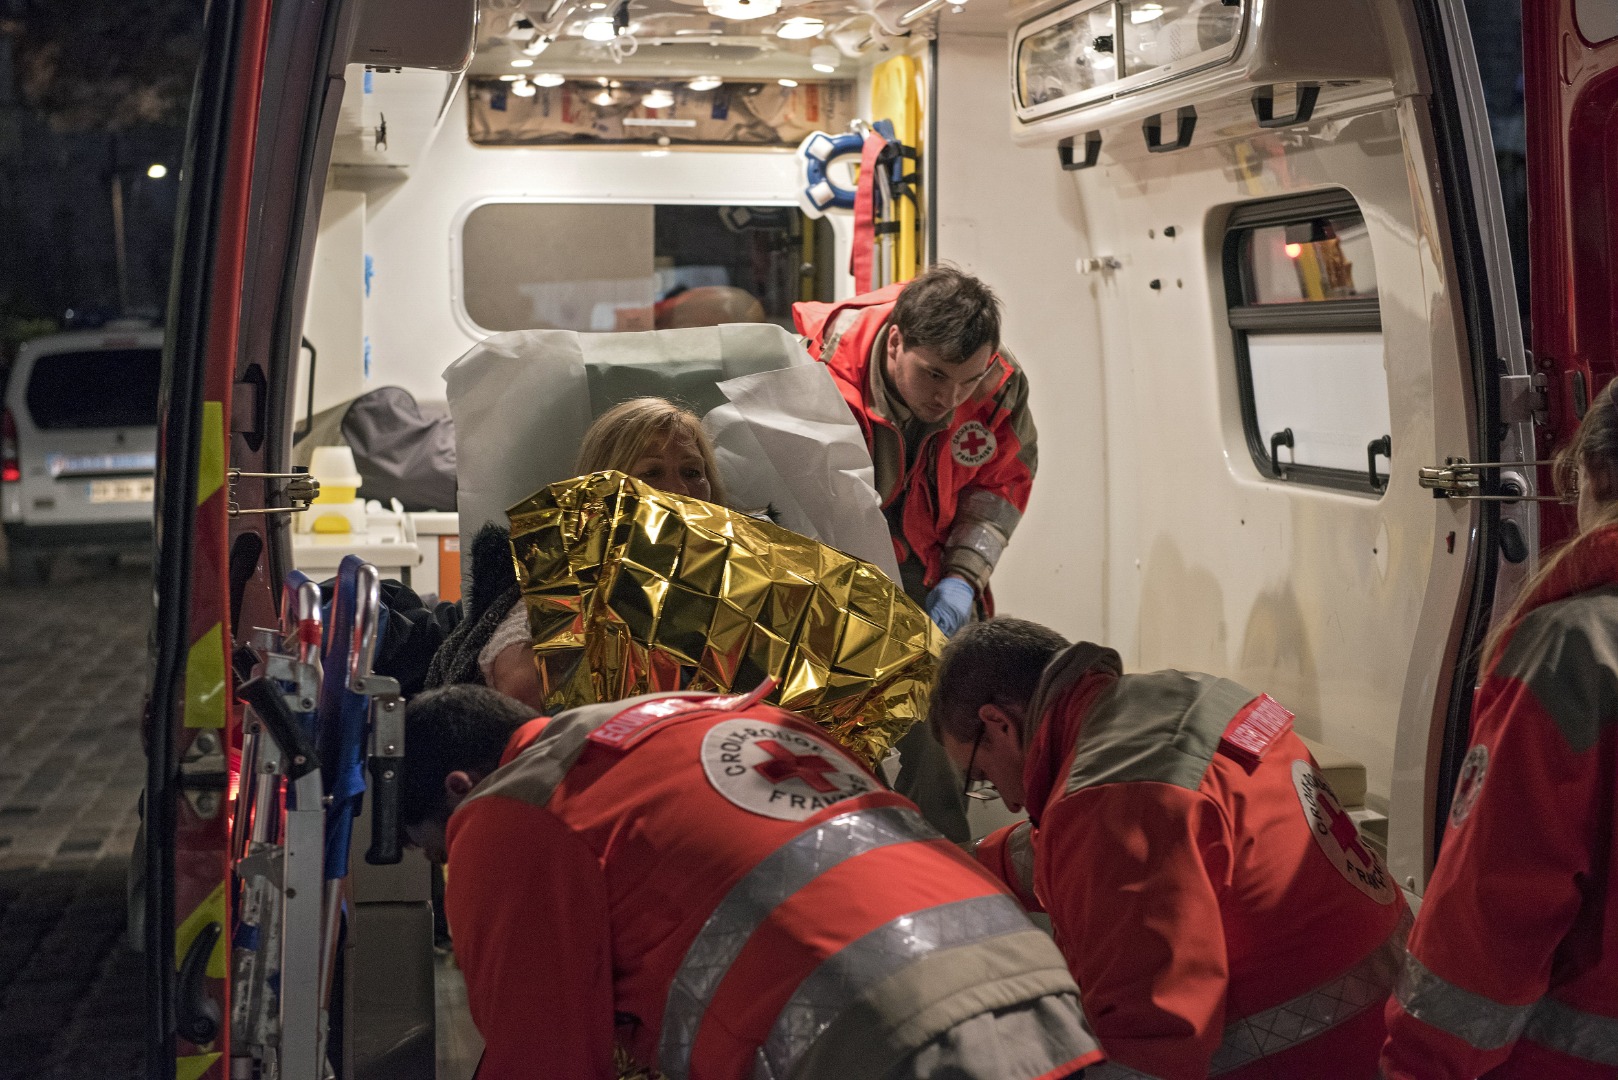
(732, 39)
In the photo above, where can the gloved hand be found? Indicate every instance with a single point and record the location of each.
(950, 604)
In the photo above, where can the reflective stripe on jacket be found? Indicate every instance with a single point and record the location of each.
(612, 880)
(1215, 904)
(958, 512)
(1513, 965)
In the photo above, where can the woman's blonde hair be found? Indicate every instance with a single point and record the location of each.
(624, 433)
(1594, 446)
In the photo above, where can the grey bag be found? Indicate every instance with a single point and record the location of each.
(403, 451)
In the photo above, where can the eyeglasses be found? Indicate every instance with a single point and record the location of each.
(978, 789)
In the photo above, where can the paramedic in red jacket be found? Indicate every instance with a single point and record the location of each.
(1513, 965)
(1213, 899)
(719, 890)
(945, 416)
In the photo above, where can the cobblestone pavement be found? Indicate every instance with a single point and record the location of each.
(72, 675)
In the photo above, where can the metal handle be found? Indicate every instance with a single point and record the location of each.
(1279, 439)
(197, 1013)
(266, 701)
(1382, 447)
(367, 619)
(1092, 152)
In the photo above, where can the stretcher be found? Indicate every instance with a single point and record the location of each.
(317, 719)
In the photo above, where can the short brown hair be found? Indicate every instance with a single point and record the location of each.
(999, 661)
(624, 432)
(949, 311)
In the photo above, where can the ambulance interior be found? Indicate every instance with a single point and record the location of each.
(1251, 252)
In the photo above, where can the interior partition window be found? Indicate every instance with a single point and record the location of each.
(1302, 288)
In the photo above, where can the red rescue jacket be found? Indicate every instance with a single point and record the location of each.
(967, 488)
(1513, 965)
(714, 889)
(1214, 901)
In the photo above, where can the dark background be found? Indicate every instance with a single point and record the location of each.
(92, 94)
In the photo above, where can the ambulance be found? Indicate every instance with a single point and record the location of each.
(1254, 258)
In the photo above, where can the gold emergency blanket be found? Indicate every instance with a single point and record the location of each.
(663, 592)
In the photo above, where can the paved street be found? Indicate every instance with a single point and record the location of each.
(72, 675)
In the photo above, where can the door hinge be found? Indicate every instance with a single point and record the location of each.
(1524, 399)
(1461, 479)
(300, 490)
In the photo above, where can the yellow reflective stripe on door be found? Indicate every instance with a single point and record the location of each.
(205, 681)
(211, 459)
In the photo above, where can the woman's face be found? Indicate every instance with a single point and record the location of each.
(674, 465)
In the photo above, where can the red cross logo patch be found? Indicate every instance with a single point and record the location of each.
(1469, 785)
(1338, 837)
(779, 771)
(972, 444)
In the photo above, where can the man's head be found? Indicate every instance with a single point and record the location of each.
(946, 330)
(454, 737)
(986, 678)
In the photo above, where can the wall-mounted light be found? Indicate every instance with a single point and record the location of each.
(705, 82)
(799, 27)
(157, 170)
(600, 29)
(788, 83)
(524, 88)
(549, 78)
(825, 58)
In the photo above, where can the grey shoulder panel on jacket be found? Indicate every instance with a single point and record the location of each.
(1566, 653)
(1163, 727)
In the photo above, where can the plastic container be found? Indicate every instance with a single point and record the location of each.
(336, 509)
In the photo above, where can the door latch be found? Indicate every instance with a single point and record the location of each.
(300, 490)
(1524, 399)
(1461, 479)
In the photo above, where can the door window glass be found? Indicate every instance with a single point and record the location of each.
(102, 388)
(1301, 284)
(621, 266)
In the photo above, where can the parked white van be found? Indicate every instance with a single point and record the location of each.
(78, 445)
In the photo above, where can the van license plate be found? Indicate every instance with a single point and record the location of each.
(138, 489)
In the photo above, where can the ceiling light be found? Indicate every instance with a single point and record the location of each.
(742, 9)
(825, 58)
(800, 27)
(549, 78)
(510, 78)
(522, 62)
(524, 88)
(157, 170)
(705, 82)
(658, 99)
(604, 98)
(788, 83)
(1145, 13)
(599, 30)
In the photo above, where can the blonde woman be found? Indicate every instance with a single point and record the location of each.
(1512, 968)
(649, 438)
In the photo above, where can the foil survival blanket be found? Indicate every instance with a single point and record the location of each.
(631, 590)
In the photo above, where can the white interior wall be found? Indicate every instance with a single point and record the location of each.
(1011, 216)
(415, 322)
(334, 317)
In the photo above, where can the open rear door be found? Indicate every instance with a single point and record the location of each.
(1570, 69)
(262, 112)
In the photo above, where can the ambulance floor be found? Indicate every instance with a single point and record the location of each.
(72, 675)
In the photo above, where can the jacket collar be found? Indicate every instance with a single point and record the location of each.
(1071, 682)
(1589, 562)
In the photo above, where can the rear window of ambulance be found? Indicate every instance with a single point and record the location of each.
(103, 388)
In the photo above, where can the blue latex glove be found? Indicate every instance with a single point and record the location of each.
(950, 604)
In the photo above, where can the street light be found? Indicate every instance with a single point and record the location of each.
(157, 170)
